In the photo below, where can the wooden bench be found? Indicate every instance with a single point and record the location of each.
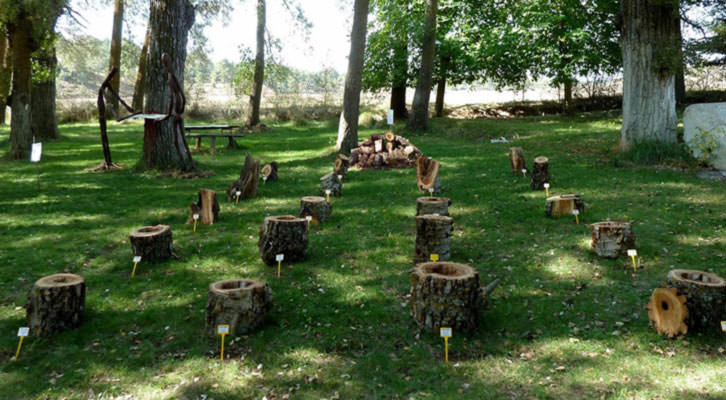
(223, 132)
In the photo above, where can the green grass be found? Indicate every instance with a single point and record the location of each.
(563, 324)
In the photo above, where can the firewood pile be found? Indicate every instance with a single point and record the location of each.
(384, 151)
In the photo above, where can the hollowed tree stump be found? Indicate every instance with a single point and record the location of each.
(341, 165)
(445, 294)
(540, 173)
(56, 304)
(152, 243)
(433, 235)
(557, 206)
(206, 206)
(516, 159)
(427, 174)
(316, 207)
(283, 234)
(433, 205)
(240, 303)
(668, 312)
(247, 181)
(612, 239)
(705, 297)
(331, 181)
(269, 171)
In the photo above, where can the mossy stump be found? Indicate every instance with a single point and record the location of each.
(445, 294)
(152, 243)
(283, 234)
(433, 236)
(55, 304)
(316, 207)
(433, 205)
(612, 239)
(240, 303)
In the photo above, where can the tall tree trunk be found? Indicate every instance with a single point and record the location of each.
(400, 77)
(44, 123)
(418, 118)
(20, 43)
(169, 23)
(650, 58)
(137, 102)
(115, 56)
(259, 77)
(6, 72)
(681, 72)
(348, 127)
(441, 87)
(567, 106)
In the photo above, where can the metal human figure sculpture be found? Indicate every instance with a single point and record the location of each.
(177, 101)
(108, 164)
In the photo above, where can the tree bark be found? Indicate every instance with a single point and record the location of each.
(441, 87)
(567, 106)
(516, 160)
(6, 72)
(44, 123)
(433, 236)
(705, 298)
(169, 22)
(540, 173)
(247, 182)
(681, 71)
(330, 182)
(418, 118)
(348, 126)
(433, 205)
(152, 243)
(206, 206)
(269, 172)
(239, 303)
(612, 239)
(259, 76)
(427, 174)
(283, 234)
(137, 103)
(115, 56)
(316, 207)
(56, 304)
(400, 78)
(650, 58)
(563, 205)
(21, 136)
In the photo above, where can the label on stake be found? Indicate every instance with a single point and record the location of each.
(23, 332)
(137, 259)
(389, 117)
(723, 326)
(195, 216)
(36, 150)
(632, 252)
(434, 257)
(222, 329)
(279, 257)
(445, 332)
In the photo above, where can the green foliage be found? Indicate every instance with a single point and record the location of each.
(655, 153)
(706, 143)
(83, 61)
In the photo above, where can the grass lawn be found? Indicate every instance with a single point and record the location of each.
(563, 323)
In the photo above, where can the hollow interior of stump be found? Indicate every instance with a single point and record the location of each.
(234, 285)
(443, 269)
(664, 305)
(285, 218)
(148, 229)
(431, 199)
(58, 280)
(611, 224)
(698, 277)
(313, 199)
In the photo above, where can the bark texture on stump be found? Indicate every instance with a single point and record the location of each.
(540, 173)
(445, 294)
(269, 171)
(206, 206)
(705, 297)
(561, 205)
(433, 236)
(331, 181)
(516, 159)
(341, 165)
(612, 239)
(248, 180)
(152, 243)
(240, 303)
(56, 304)
(427, 173)
(285, 234)
(433, 205)
(316, 207)
(668, 312)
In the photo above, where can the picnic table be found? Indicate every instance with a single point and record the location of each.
(224, 131)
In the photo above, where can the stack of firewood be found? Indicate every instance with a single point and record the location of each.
(384, 151)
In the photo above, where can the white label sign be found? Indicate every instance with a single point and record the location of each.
(723, 326)
(632, 252)
(379, 146)
(431, 190)
(546, 185)
(340, 177)
(264, 178)
(524, 171)
(389, 117)
(24, 331)
(222, 329)
(279, 257)
(445, 332)
(35, 151)
(195, 216)
(575, 212)
(238, 193)
(137, 259)
(309, 218)
(327, 191)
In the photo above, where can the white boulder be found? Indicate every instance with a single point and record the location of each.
(704, 131)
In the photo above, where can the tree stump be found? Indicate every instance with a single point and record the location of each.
(247, 182)
(433, 205)
(705, 297)
(316, 207)
(341, 165)
(557, 206)
(206, 206)
(239, 303)
(283, 234)
(612, 239)
(433, 236)
(668, 312)
(331, 181)
(516, 159)
(152, 243)
(269, 171)
(56, 304)
(445, 294)
(427, 174)
(540, 173)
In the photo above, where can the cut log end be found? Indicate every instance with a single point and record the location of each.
(316, 207)
(705, 295)
(206, 206)
(152, 243)
(667, 311)
(269, 171)
(55, 304)
(427, 174)
(239, 303)
(516, 160)
(433, 205)
(284, 234)
(331, 182)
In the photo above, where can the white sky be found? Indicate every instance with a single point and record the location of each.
(328, 44)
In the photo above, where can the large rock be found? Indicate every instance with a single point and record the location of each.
(705, 132)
